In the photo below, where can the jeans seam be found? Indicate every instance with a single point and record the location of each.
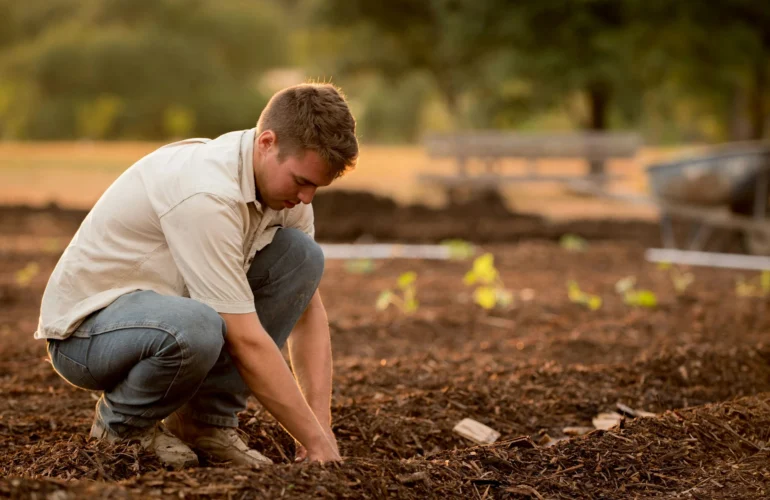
(184, 348)
(157, 325)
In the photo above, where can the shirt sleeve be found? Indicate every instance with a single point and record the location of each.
(205, 237)
(302, 218)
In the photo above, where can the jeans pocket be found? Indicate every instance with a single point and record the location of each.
(73, 372)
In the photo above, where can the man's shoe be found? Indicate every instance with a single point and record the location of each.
(169, 449)
(223, 444)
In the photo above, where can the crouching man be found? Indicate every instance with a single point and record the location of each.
(186, 278)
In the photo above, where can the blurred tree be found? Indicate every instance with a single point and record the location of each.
(578, 47)
(449, 40)
(718, 51)
(141, 69)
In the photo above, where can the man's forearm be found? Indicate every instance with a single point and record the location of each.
(265, 372)
(311, 358)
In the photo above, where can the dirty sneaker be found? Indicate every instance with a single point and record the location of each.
(171, 451)
(221, 443)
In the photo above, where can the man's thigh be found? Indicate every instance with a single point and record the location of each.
(137, 326)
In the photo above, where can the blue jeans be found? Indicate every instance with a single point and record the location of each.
(153, 354)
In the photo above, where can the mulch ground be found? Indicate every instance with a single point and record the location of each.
(700, 362)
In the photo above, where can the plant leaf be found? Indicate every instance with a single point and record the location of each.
(641, 298)
(383, 301)
(573, 292)
(625, 284)
(484, 268)
(764, 282)
(407, 279)
(573, 243)
(504, 297)
(459, 249)
(359, 266)
(485, 296)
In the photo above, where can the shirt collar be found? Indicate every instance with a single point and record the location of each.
(248, 184)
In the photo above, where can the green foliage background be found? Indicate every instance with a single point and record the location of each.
(676, 71)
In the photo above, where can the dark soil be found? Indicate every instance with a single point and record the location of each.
(700, 362)
(343, 216)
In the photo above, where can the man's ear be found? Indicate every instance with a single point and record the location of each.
(266, 140)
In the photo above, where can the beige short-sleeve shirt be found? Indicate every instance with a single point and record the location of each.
(183, 221)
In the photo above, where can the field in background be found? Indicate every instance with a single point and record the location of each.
(75, 175)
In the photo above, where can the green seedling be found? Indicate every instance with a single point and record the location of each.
(680, 279)
(573, 243)
(577, 296)
(404, 297)
(459, 249)
(24, 276)
(757, 287)
(490, 291)
(634, 297)
(359, 266)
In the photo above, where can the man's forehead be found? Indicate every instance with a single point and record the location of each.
(310, 166)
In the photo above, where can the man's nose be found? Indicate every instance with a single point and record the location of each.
(306, 194)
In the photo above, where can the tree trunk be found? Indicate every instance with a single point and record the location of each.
(598, 100)
(452, 100)
(599, 95)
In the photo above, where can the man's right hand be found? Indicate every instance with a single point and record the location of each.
(264, 370)
(324, 454)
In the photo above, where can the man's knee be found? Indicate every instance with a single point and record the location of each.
(306, 255)
(201, 333)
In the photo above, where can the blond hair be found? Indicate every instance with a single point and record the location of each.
(313, 116)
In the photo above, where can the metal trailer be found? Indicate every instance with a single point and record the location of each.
(726, 187)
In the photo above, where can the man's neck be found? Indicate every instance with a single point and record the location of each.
(256, 163)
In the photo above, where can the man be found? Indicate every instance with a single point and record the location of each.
(187, 277)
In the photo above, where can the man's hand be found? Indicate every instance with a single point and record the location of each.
(311, 358)
(302, 454)
(264, 370)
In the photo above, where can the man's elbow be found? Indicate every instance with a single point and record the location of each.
(244, 334)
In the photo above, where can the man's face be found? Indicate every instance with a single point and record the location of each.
(288, 183)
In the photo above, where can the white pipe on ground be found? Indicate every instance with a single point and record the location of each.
(708, 259)
(386, 251)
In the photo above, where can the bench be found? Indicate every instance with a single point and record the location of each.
(491, 147)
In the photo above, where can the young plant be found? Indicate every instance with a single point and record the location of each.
(633, 296)
(404, 297)
(24, 276)
(459, 249)
(757, 287)
(577, 296)
(490, 291)
(680, 279)
(573, 243)
(359, 266)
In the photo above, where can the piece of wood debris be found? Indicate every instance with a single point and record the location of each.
(607, 421)
(476, 431)
(547, 441)
(627, 410)
(520, 442)
(413, 478)
(577, 431)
